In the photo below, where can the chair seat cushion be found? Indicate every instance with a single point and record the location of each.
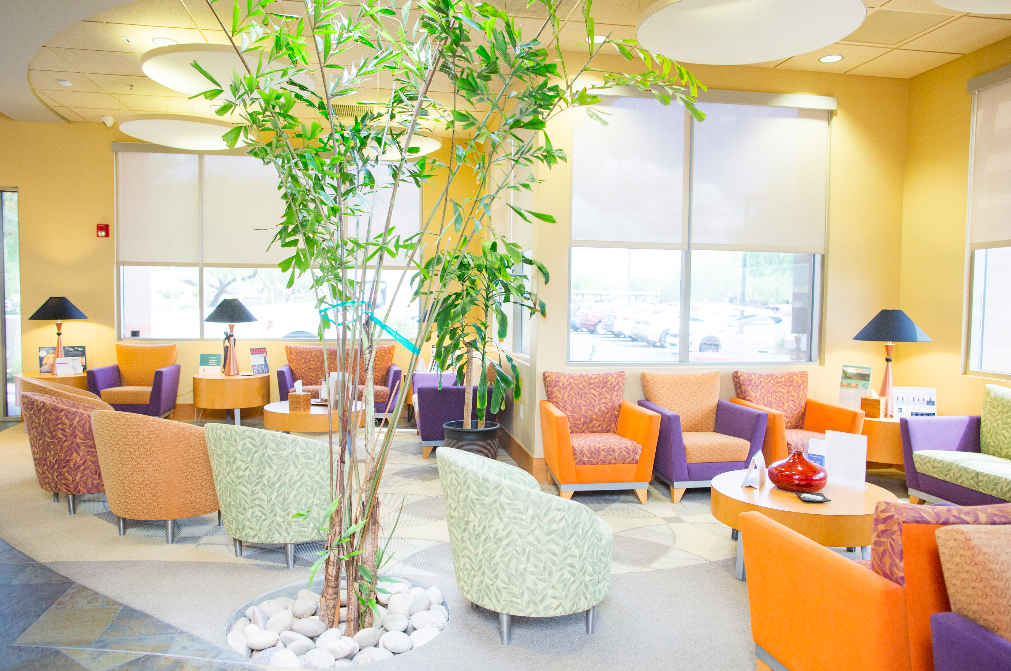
(599, 449)
(127, 395)
(703, 447)
(797, 439)
(979, 472)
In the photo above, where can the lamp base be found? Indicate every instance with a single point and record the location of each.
(231, 366)
(886, 383)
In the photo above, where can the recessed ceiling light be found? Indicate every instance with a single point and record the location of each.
(164, 41)
(128, 40)
(63, 82)
(834, 58)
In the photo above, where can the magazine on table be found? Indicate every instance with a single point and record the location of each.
(258, 357)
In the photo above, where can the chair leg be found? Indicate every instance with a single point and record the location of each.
(566, 495)
(72, 503)
(642, 493)
(733, 534)
(122, 525)
(426, 451)
(170, 531)
(289, 554)
(915, 500)
(238, 547)
(676, 494)
(56, 497)
(219, 518)
(504, 622)
(591, 620)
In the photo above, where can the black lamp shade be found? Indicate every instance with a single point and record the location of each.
(230, 311)
(57, 309)
(892, 326)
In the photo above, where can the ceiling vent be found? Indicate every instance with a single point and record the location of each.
(890, 28)
(345, 111)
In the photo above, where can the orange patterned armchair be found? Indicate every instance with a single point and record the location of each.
(305, 363)
(794, 419)
(593, 439)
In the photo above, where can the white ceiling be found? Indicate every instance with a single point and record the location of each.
(900, 38)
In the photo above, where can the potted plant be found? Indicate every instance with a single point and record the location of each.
(469, 322)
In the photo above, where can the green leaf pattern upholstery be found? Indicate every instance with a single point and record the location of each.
(265, 477)
(995, 422)
(517, 550)
(981, 472)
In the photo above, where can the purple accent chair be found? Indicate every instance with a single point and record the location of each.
(433, 407)
(145, 380)
(953, 434)
(962, 645)
(691, 412)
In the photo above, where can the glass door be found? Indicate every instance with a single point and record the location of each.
(10, 286)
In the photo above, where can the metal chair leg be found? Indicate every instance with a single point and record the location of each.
(591, 620)
(238, 547)
(219, 518)
(56, 497)
(289, 554)
(170, 531)
(504, 621)
(122, 526)
(72, 503)
(733, 534)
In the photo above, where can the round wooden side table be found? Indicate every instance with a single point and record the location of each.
(278, 417)
(845, 521)
(217, 391)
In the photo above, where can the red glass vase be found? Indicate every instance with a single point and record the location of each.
(797, 473)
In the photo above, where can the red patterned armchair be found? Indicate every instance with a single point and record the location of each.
(305, 363)
(794, 419)
(63, 445)
(593, 439)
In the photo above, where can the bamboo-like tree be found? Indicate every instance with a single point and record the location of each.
(505, 87)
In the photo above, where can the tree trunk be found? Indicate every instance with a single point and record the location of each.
(467, 398)
(370, 548)
(331, 601)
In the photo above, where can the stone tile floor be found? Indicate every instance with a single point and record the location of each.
(50, 623)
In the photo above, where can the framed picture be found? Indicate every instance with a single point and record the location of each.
(47, 357)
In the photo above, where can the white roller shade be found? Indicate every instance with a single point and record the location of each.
(241, 210)
(157, 208)
(990, 203)
(759, 178)
(627, 176)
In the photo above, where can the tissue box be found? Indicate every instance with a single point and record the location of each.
(298, 401)
(873, 407)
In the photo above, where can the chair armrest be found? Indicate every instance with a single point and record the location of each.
(285, 381)
(103, 378)
(164, 390)
(643, 426)
(733, 419)
(557, 443)
(394, 376)
(822, 417)
(774, 446)
(828, 612)
(670, 459)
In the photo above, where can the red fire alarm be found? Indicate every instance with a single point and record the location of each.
(102, 230)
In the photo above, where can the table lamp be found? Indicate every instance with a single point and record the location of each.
(230, 311)
(58, 309)
(890, 327)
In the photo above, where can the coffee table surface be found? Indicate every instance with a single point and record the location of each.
(278, 417)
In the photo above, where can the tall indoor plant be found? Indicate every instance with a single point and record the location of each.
(504, 87)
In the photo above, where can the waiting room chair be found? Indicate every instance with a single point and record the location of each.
(700, 435)
(593, 439)
(63, 445)
(518, 551)
(305, 363)
(145, 379)
(47, 388)
(262, 478)
(794, 419)
(433, 407)
(154, 469)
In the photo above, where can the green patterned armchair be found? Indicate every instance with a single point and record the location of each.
(519, 551)
(265, 477)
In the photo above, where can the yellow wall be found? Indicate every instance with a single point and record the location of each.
(934, 225)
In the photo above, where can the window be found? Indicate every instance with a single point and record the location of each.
(990, 232)
(726, 217)
(12, 294)
(195, 229)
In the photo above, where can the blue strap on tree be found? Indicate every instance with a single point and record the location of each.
(396, 336)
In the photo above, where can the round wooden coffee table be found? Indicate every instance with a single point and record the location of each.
(845, 521)
(277, 417)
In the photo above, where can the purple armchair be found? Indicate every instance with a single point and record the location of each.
(700, 435)
(305, 363)
(962, 645)
(433, 407)
(144, 381)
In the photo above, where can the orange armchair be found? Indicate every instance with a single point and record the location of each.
(794, 419)
(593, 439)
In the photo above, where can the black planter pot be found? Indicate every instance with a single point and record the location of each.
(479, 441)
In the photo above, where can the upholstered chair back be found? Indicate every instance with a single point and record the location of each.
(692, 396)
(263, 478)
(590, 401)
(995, 422)
(55, 390)
(785, 392)
(62, 444)
(306, 363)
(138, 363)
(432, 380)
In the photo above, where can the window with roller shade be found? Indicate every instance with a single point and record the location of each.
(697, 242)
(194, 229)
